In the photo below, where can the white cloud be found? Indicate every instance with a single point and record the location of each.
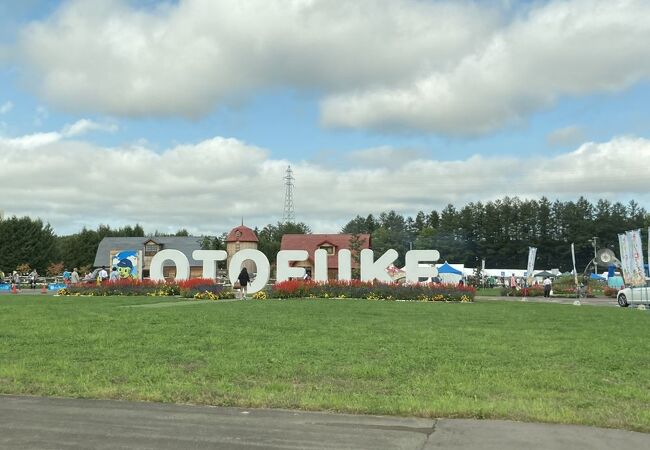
(448, 67)
(562, 48)
(35, 140)
(83, 126)
(6, 107)
(208, 186)
(110, 57)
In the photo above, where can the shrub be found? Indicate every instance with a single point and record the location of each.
(610, 292)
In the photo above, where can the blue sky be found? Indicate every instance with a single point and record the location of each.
(402, 105)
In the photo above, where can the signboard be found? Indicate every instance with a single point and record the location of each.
(127, 263)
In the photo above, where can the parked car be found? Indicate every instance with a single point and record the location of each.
(633, 295)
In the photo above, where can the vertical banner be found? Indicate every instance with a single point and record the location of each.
(532, 253)
(483, 277)
(635, 256)
(573, 256)
(623, 247)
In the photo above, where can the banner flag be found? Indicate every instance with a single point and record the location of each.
(635, 256)
(532, 253)
(573, 256)
(623, 246)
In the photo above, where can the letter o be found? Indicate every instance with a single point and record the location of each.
(177, 257)
(260, 260)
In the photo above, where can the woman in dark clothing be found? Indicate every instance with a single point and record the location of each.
(244, 280)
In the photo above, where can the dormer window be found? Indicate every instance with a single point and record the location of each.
(329, 248)
(151, 248)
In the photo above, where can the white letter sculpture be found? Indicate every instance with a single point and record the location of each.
(209, 258)
(263, 268)
(320, 265)
(177, 257)
(282, 262)
(413, 269)
(376, 270)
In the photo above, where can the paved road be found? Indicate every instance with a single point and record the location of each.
(596, 301)
(51, 423)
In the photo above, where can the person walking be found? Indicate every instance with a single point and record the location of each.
(547, 287)
(244, 279)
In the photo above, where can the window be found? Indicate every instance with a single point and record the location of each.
(328, 248)
(151, 249)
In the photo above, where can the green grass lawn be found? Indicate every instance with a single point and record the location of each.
(489, 292)
(521, 361)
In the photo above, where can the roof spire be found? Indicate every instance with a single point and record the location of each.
(242, 221)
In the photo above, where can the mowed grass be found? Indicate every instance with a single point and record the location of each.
(521, 361)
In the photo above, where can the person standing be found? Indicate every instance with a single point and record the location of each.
(15, 280)
(102, 275)
(32, 279)
(244, 280)
(513, 282)
(547, 287)
(115, 275)
(74, 277)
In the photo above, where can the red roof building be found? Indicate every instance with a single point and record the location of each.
(331, 243)
(242, 234)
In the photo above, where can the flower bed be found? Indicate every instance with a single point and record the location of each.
(533, 291)
(194, 288)
(372, 291)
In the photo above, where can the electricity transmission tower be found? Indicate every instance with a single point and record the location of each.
(289, 213)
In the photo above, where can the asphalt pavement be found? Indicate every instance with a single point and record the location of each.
(56, 423)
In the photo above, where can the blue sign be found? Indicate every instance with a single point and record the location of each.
(55, 286)
(5, 287)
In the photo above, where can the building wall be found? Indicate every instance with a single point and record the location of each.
(234, 247)
(195, 272)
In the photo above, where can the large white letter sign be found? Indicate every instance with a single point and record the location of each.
(376, 270)
(177, 257)
(210, 258)
(282, 262)
(320, 265)
(413, 269)
(345, 264)
(263, 268)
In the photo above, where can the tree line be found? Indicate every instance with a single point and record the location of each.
(501, 231)
(498, 231)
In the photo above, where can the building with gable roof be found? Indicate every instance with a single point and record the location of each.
(331, 243)
(146, 248)
(241, 238)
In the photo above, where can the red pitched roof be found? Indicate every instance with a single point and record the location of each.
(311, 243)
(245, 235)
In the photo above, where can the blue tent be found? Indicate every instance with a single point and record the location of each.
(594, 276)
(446, 268)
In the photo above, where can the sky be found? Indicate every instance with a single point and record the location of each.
(187, 113)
